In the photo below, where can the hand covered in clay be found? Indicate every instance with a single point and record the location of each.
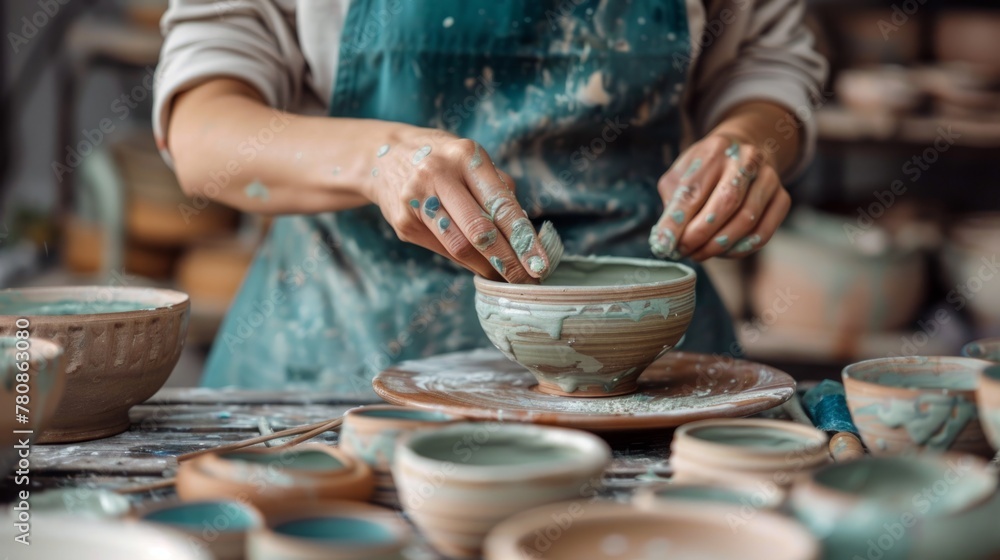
(722, 197)
(444, 193)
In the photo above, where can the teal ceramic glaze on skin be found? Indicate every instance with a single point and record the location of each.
(677, 216)
(753, 436)
(256, 189)
(414, 203)
(194, 516)
(382, 150)
(420, 154)
(431, 206)
(477, 158)
(733, 151)
(522, 237)
(710, 218)
(692, 169)
(10, 305)
(498, 264)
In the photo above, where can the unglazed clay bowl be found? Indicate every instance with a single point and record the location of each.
(611, 531)
(219, 526)
(32, 379)
(370, 433)
(267, 477)
(120, 343)
(917, 403)
(68, 536)
(747, 498)
(593, 326)
(330, 531)
(744, 452)
(853, 504)
(457, 482)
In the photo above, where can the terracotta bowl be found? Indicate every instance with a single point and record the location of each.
(610, 531)
(592, 328)
(370, 434)
(218, 526)
(917, 403)
(267, 478)
(457, 482)
(120, 343)
(68, 536)
(330, 531)
(746, 452)
(745, 497)
(851, 505)
(39, 389)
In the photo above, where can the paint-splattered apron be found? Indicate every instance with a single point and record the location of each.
(579, 103)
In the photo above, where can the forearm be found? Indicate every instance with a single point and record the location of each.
(757, 123)
(223, 139)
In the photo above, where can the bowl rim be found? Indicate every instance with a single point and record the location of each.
(504, 540)
(143, 513)
(689, 275)
(968, 348)
(360, 414)
(294, 511)
(178, 299)
(593, 453)
(809, 435)
(975, 366)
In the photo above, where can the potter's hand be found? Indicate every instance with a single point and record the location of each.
(444, 194)
(721, 197)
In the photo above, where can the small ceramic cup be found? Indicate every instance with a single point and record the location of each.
(32, 375)
(334, 530)
(268, 477)
(742, 452)
(594, 325)
(611, 531)
(750, 498)
(457, 482)
(370, 434)
(220, 526)
(988, 398)
(916, 403)
(984, 349)
(853, 504)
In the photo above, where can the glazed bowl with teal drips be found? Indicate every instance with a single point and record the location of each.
(594, 325)
(120, 345)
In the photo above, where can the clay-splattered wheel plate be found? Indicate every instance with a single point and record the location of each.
(679, 387)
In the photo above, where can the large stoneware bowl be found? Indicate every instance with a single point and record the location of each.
(917, 403)
(32, 378)
(594, 325)
(457, 482)
(120, 344)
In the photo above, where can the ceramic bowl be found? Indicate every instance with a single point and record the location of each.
(370, 433)
(746, 497)
(988, 399)
(32, 372)
(746, 452)
(457, 482)
(81, 501)
(610, 531)
(594, 325)
(983, 349)
(330, 531)
(68, 536)
(220, 526)
(853, 504)
(267, 477)
(120, 343)
(917, 403)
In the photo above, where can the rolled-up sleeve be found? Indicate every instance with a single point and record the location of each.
(759, 50)
(249, 40)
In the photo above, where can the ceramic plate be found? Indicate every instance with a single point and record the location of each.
(678, 388)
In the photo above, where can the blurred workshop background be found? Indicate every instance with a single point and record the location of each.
(891, 249)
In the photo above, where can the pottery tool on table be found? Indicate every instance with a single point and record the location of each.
(826, 405)
(310, 430)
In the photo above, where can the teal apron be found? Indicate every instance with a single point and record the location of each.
(579, 103)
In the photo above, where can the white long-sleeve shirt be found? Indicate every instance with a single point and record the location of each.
(741, 50)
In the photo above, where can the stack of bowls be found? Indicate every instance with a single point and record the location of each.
(370, 434)
(219, 526)
(744, 452)
(457, 482)
(330, 531)
(32, 373)
(269, 478)
(120, 344)
(917, 403)
(610, 531)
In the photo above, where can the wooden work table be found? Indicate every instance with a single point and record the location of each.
(176, 421)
